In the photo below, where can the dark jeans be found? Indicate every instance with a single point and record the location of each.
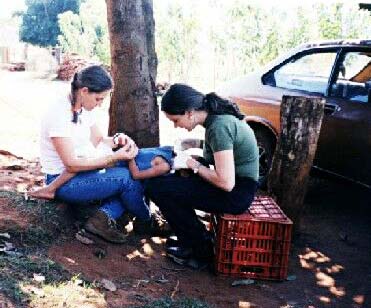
(178, 197)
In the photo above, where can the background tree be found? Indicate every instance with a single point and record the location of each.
(300, 32)
(133, 107)
(330, 21)
(206, 43)
(177, 41)
(86, 33)
(40, 21)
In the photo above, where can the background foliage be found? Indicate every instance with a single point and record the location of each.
(86, 33)
(40, 21)
(203, 42)
(208, 42)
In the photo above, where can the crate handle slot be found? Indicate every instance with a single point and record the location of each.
(251, 269)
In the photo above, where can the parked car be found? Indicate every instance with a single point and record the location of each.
(338, 71)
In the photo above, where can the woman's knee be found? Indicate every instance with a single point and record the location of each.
(153, 186)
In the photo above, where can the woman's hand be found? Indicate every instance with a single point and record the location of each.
(127, 152)
(193, 164)
(223, 176)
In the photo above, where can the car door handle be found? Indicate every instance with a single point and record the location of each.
(331, 108)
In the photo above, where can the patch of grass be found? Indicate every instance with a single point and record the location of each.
(37, 235)
(25, 266)
(15, 271)
(9, 286)
(167, 302)
(47, 221)
(72, 293)
(32, 242)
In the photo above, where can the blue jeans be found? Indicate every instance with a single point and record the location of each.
(116, 188)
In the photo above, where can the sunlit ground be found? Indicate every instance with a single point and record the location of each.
(323, 269)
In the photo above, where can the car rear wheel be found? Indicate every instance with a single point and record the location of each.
(266, 144)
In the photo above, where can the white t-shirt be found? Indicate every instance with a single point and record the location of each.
(57, 122)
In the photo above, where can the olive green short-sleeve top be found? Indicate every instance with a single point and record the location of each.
(226, 132)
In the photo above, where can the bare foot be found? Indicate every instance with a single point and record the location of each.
(42, 193)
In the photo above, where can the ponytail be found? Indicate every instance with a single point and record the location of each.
(74, 88)
(215, 104)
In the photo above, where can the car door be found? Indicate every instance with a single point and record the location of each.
(344, 147)
(309, 73)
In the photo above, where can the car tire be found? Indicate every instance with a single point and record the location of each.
(266, 144)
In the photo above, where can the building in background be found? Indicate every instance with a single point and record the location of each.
(11, 49)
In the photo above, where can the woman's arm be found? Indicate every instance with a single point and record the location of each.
(156, 170)
(65, 150)
(97, 137)
(224, 174)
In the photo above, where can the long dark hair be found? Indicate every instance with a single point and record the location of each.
(95, 78)
(181, 98)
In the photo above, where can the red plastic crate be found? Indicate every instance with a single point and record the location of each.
(255, 244)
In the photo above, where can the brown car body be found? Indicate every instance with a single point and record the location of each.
(344, 146)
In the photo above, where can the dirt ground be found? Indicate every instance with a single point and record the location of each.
(329, 264)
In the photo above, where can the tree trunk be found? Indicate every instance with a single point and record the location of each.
(133, 108)
(301, 120)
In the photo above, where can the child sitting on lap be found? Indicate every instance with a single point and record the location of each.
(150, 162)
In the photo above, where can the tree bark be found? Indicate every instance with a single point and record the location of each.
(301, 120)
(133, 108)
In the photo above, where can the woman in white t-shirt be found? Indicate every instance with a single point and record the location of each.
(69, 137)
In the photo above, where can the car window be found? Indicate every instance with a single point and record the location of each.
(354, 77)
(308, 73)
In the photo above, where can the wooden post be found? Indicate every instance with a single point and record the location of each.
(301, 119)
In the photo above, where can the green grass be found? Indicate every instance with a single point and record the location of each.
(32, 243)
(73, 293)
(47, 221)
(15, 271)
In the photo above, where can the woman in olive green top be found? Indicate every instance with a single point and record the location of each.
(230, 146)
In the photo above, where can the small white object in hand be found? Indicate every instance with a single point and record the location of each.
(180, 161)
